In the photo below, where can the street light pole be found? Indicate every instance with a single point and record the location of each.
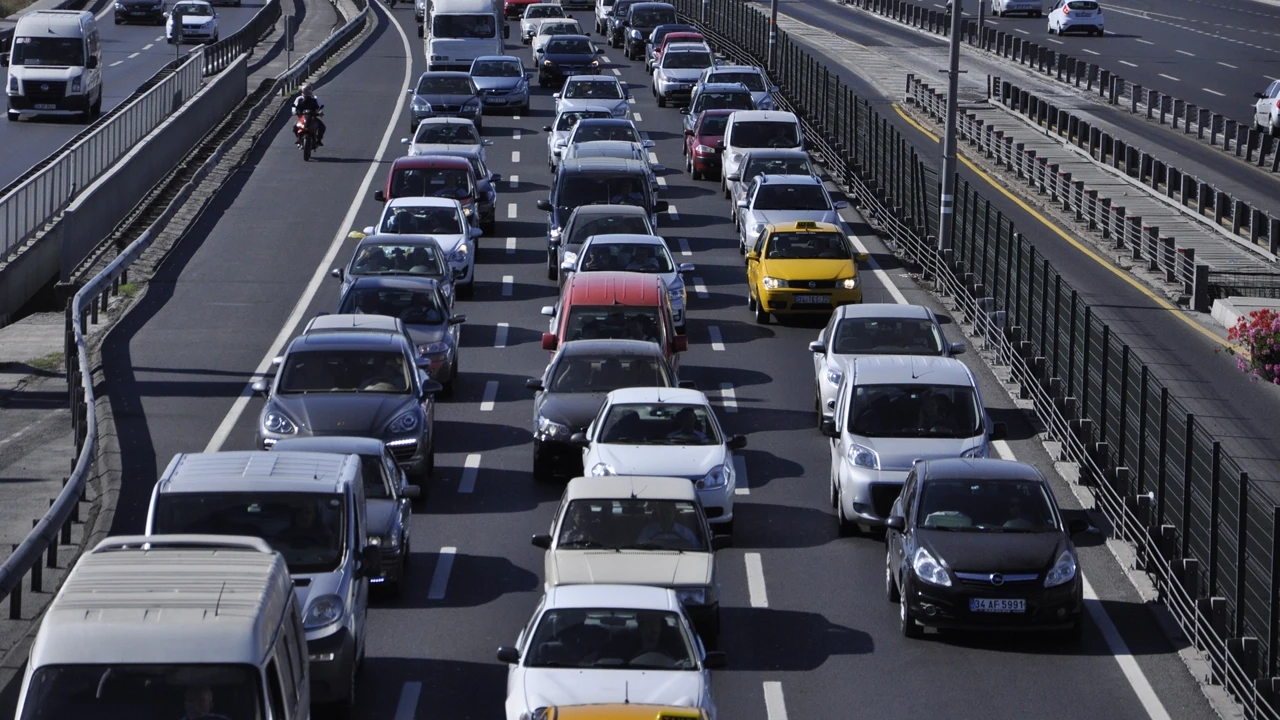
(773, 36)
(947, 204)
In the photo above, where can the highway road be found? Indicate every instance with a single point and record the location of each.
(130, 55)
(806, 627)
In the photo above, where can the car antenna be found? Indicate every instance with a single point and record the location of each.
(218, 604)
(626, 693)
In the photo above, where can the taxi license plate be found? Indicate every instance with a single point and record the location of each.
(997, 605)
(46, 106)
(813, 300)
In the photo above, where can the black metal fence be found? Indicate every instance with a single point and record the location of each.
(1203, 535)
(220, 54)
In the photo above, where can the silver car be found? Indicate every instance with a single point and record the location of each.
(765, 162)
(549, 29)
(753, 77)
(677, 72)
(558, 132)
(582, 91)
(563, 243)
(533, 17)
(502, 81)
(634, 253)
(436, 134)
(773, 199)
(616, 149)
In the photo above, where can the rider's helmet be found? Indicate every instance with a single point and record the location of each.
(308, 90)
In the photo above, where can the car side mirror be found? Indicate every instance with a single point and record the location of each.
(1077, 526)
(566, 266)
(411, 492)
(555, 96)
(731, 177)
(579, 438)
(457, 319)
(680, 343)
(486, 143)
(720, 542)
(687, 267)
(648, 144)
(896, 522)
(541, 541)
(661, 206)
(260, 387)
(546, 128)
(548, 310)
(829, 428)
(958, 348)
(534, 384)
(92, 63)
(336, 273)
(862, 257)
(368, 230)
(508, 655)
(714, 660)
(545, 205)
(688, 385)
(431, 387)
(380, 196)
(753, 256)
(720, 146)
(999, 431)
(550, 342)
(475, 232)
(1256, 95)
(370, 560)
(688, 132)
(743, 204)
(404, 141)
(684, 111)
(737, 442)
(818, 346)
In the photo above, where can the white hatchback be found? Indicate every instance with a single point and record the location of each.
(199, 22)
(1076, 16)
(439, 218)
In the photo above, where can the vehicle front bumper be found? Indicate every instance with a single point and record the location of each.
(783, 301)
(463, 272)
(564, 459)
(868, 495)
(717, 503)
(1056, 608)
(674, 89)
(391, 572)
(198, 35)
(331, 660)
(706, 162)
(560, 72)
(505, 98)
(139, 14)
(67, 105)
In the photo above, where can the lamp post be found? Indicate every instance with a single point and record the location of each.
(947, 204)
(773, 36)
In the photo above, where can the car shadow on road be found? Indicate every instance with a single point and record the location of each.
(733, 331)
(709, 377)
(518, 492)
(1015, 420)
(769, 640)
(485, 336)
(471, 437)
(471, 388)
(490, 291)
(473, 580)
(764, 467)
(766, 526)
(457, 688)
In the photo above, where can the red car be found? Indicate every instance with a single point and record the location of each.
(702, 159)
(669, 39)
(514, 9)
(433, 176)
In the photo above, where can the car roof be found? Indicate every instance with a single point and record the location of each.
(346, 322)
(348, 341)
(910, 370)
(445, 73)
(592, 78)
(674, 396)
(614, 288)
(608, 210)
(984, 468)
(723, 87)
(884, 310)
(629, 238)
(764, 116)
(654, 5)
(339, 444)
(257, 471)
(395, 283)
(638, 597)
(619, 347)
(685, 46)
(602, 164)
(638, 487)
(604, 148)
(775, 153)
(397, 239)
(431, 160)
(421, 201)
(445, 121)
(766, 179)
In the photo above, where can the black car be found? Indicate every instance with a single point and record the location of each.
(398, 256)
(149, 11)
(566, 55)
(573, 388)
(616, 32)
(642, 19)
(598, 181)
(445, 93)
(981, 544)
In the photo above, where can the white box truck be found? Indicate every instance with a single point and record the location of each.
(459, 31)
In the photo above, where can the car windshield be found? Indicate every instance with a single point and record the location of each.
(308, 529)
(391, 259)
(543, 10)
(497, 68)
(791, 196)
(669, 29)
(409, 220)
(658, 424)
(47, 51)
(808, 246)
(776, 166)
(613, 323)
(579, 189)
(569, 46)
(886, 336)
(599, 89)
(464, 26)
(430, 84)
(610, 639)
(559, 28)
(724, 101)
(193, 9)
(629, 257)
(336, 371)
(634, 224)
(593, 131)
(979, 505)
(765, 134)
(924, 411)
(414, 307)
(452, 133)
(567, 120)
(58, 692)
(375, 484)
(632, 524)
(686, 60)
(1082, 5)
(595, 374)
(753, 81)
(451, 183)
(653, 18)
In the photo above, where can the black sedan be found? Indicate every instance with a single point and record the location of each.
(148, 11)
(567, 55)
(981, 544)
(445, 93)
(573, 388)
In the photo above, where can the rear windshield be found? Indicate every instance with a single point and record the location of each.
(613, 323)
(567, 120)
(753, 81)
(791, 197)
(724, 101)
(452, 183)
(686, 60)
(653, 17)
(1082, 5)
(765, 134)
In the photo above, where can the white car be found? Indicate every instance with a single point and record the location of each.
(581, 91)
(1266, 111)
(668, 432)
(1076, 16)
(773, 199)
(548, 29)
(559, 131)
(435, 135)
(634, 253)
(765, 162)
(199, 22)
(602, 10)
(1032, 8)
(439, 218)
(533, 17)
(864, 329)
(753, 77)
(591, 644)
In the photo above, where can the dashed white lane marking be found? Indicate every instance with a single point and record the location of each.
(1233, 67)
(1126, 62)
(133, 55)
(515, 134)
(728, 398)
(440, 578)
(470, 468)
(700, 287)
(662, 182)
(162, 38)
(1215, 92)
(717, 342)
(507, 282)
(515, 156)
(148, 46)
(511, 246)
(636, 117)
(881, 275)
(513, 182)
(500, 337)
(671, 212)
(684, 246)
(118, 62)
(1024, 32)
(775, 705)
(1055, 42)
(1091, 52)
(1145, 42)
(1169, 77)
(515, 117)
(617, 72)
(1184, 52)
(653, 157)
(408, 705)
(511, 211)
(755, 581)
(605, 59)
(741, 486)
(490, 395)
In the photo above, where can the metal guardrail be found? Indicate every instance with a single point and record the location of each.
(1200, 529)
(314, 60)
(220, 54)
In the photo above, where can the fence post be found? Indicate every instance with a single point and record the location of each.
(1242, 540)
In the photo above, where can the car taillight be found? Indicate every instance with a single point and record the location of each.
(1278, 104)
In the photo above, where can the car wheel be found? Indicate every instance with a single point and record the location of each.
(846, 527)
(553, 272)
(662, 101)
(890, 583)
(906, 623)
(1050, 28)
(832, 491)
(762, 315)
(13, 116)
(544, 470)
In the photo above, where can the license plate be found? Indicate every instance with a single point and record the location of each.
(46, 106)
(813, 300)
(997, 605)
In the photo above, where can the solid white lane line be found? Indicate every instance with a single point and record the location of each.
(672, 213)
(1233, 67)
(684, 246)
(717, 342)
(1184, 52)
(699, 287)
(728, 398)
(1215, 92)
(507, 282)
(322, 270)
(775, 706)
(1055, 42)
(440, 579)
(1024, 32)
(133, 55)
(513, 182)
(490, 395)
(636, 116)
(755, 581)
(605, 59)
(741, 486)
(1144, 42)
(515, 156)
(470, 468)
(408, 705)
(880, 275)
(511, 246)
(162, 38)
(500, 337)
(1169, 77)
(1126, 62)
(511, 211)
(115, 63)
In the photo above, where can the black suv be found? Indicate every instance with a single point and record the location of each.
(598, 181)
(641, 21)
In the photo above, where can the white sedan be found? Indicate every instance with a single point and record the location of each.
(533, 17)
(1266, 109)
(439, 218)
(634, 253)
(671, 432)
(1076, 16)
(559, 131)
(199, 22)
(592, 644)
(582, 91)
(440, 134)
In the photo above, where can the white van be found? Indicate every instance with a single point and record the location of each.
(311, 508)
(755, 129)
(169, 627)
(459, 31)
(55, 65)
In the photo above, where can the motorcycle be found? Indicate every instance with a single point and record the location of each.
(305, 131)
(391, 3)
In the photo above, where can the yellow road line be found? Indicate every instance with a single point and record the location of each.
(1088, 252)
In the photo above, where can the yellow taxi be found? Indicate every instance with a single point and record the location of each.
(620, 711)
(801, 268)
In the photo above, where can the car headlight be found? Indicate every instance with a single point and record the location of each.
(278, 423)
(692, 596)
(434, 348)
(603, 469)
(551, 430)
(421, 104)
(571, 257)
(717, 477)
(975, 452)
(75, 84)
(766, 103)
(704, 149)
(757, 228)
(439, 57)
(620, 110)
(459, 255)
(391, 541)
(929, 570)
(849, 283)
(324, 610)
(773, 283)
(405, 422)
(473, 103)
(863, 456)
(635, 34)
(677, 295)
(595, 63)
(1064, 570)
(547, 63)
(834, 376)
(209, 24)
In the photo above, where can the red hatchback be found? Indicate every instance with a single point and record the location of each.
(702, 159)
(443, 176)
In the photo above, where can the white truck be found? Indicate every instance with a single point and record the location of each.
(459, 31)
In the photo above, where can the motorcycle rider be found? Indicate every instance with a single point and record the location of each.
(308, 101)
